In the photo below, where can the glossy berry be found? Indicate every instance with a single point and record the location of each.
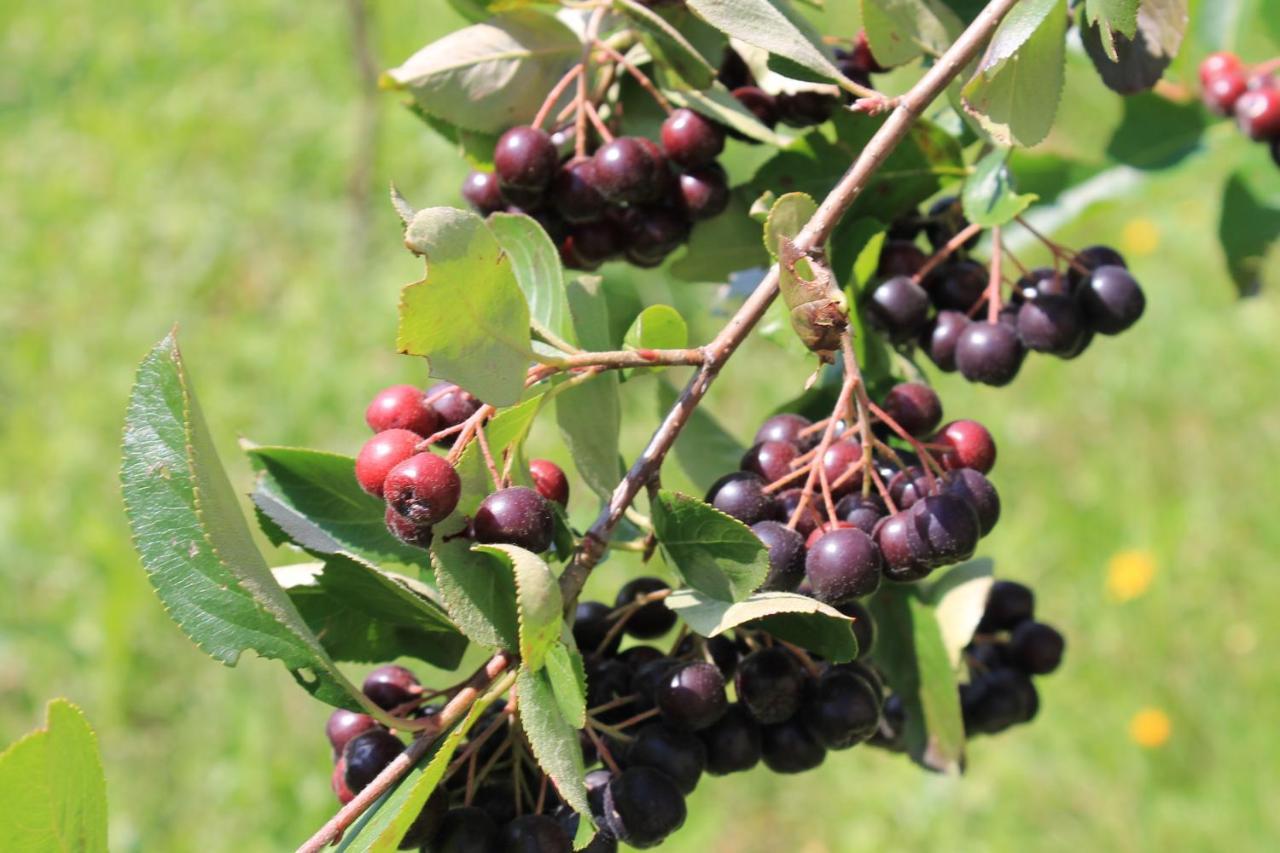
(691, 140)
(915, 406)
(844, 564)
(908, 486)
(427, 823)
(769, 460)
(452, 404)
(525, 159)
(366, 756)
(863, 512)
(380, 454)
(515, 516)
(864, 626)
(790, 747)
(733, 743)
(841, 466)
(1112, 300)
(810, 517)
(466, 829)
(400, 407)
(1221, 93)
(480, 189)
(989, 353)
(704, 192)
(900, 257)
(1009, 604)
(949, 526)
(692, 697)
(899, 307)
(1092, 257)
(642, 806)
(971, 446)
(574, 194)
(1050, 324)
(741, 495)
(973, 487)
(843, 710)
(535, 833)
(423, 488)
(940, 337)
(786, 555)
(1258, 113)
(1217, 64)
(343, 725)
(1042, 281)
(549, 480)
(996, 700)
(679, 754)
(651, 620)
(906, 555)
(957, 285)
(391, 686)
(787, 427)
(1036, 648)
(770, 683)
(625, 171)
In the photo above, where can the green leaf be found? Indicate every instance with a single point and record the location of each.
(721, 246)
(554, 739)
(787, 217)
(479, 593)
(719, 104)
(314, 498)
(194, 542)
(492, 75)
(363, 614)
(958, 598)
(797, 619)
(590, 415)
(989, 197)
(913, 657)
(53, 795)
(383, 828)
(1130, 65)
(704, 449)
(536, 263)
(1247, 230)
(714, 553)
(568, 677)
(1111, 17)
(1014, 94)
(771, 25)
(538, 602)
(898, 31)
(656, 327)
(671, 48)
(468, 316)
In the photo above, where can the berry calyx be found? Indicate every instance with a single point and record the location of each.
(690, 139)
(525, 159)
(842, 565)
(692, 697)
(550, 481)
(515, 516)
(650, 620)
(423, 488)
(391, 686)
(380, 454)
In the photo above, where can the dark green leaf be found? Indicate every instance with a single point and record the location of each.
(990, 198)
(361, 613)
(910, 652)
(1135, 64)
(1014, 94)
(468, 316)
(898, 31)
(1247, 230)
(771, 25)
(492, 75)
(536, 263)
(590, 415)
(538, 602)
(553, 739)
(313, 497)
(714, 553)
(479, 593)
(53, 795)
(797, 619)
(194, 543)
(704, 449)
(670, 45)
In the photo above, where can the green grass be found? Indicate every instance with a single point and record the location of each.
(189, 162)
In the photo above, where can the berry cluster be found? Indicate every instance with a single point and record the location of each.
(1252, 95)
(956, 311)
(930, 506)
(421, 488)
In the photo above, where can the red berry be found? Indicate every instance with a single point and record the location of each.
(380, 454)
(1221, 93)
(343, 725)
(971, 446)
(914, 406)
(770, 459)
(625, 171)
(423, 488)
(418, 535)
(480, 189)
(401, 407)
(690, 139)
(1217, 64)
(1258, 113)
(338, 781)
(838, 461)
(550, 480)
(525, 159)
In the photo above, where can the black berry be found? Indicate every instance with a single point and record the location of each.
(391, 686)
(343, 725)
(1009, 604)
(732, 744)
(790, 747)
(642, 806)
(692, 696)
(786, 555)
(941, 336)
(843, 710)
(1112, 300)
(989, 353)
(1036, 648)
(367, 755)
(770, 683)
(679, 754)
(651, 620)
(844, 564)
(899, 307)
(915, 406)
(515, 516)
(741, 495)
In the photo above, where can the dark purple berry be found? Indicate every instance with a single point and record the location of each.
(941, 336)
(790, 747)
(590, 244)
(864, 626)
(452, 404)
(679, 754)
(535, 833)
(515, 516)
(591, 625)
(1092, 257)
(466, 829)
(704, 192)
(805, 109)
(863, 512)
(367, 755)
(574, 193)
(691, 140)
(787, 427)
(1050, 324)
(973, 486)
(844, 564)
(957, 286)
(733, 743)
(843, 710)
(391, 686)
(915, 406)
(1036, 648)
(343, 725)
(786, 555)
(769, 460)
(642, 806)
(525, 159)
(905, 553)
(841, 465)
(971, 446)
(625, 171)
(741, 495)
(810, 517)
(428, 822)
(989, 353)
(692, 696)
(898, 307)
(900, 257)
(1112, 300)
(481, 191)
(948, 524)
(770, 683)
(759, 102)
(1009, 604)
(651, 620)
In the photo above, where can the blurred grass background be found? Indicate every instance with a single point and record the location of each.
(200, 163)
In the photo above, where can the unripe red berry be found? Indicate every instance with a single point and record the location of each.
(525, 159)
(914, 406)
(380, 454)
(1221, 93)
(401, 407)
(550, 480)
(1258, 113)
(1217, 64)
(971, 446)
(424, 488)
(690, 139)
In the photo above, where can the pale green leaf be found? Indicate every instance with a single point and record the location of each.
(1111, 17)
(568, 677)
(538, 602)
(898, 31)
(536, 263)
(479, 593)
(959, 597)
(656, 327)
(771, 25)
(990, 197)
(554, 739)
(797, 619)
(590, 415)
